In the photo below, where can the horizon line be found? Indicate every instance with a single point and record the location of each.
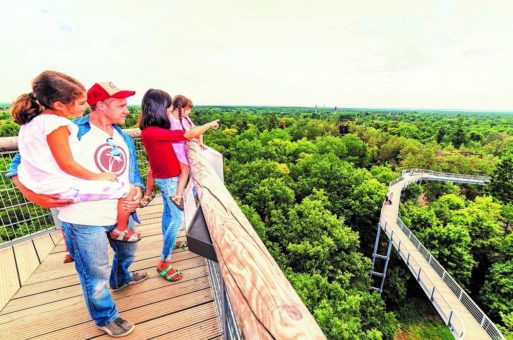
(339, 108)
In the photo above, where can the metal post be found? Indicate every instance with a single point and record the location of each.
(432, 293)
(223, 308)
(418, 275)
(56, 221)
(389, 250)
(376, 243)
(450, 317)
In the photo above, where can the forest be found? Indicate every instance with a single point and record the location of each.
(312, 182)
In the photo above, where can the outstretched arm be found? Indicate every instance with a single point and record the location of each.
(45, 201)
(199, 130)
(61, 152)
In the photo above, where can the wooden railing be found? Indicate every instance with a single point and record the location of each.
(264, 302)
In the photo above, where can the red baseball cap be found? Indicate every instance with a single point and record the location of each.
(104, 90)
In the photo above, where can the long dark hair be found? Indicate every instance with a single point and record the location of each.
(181, 102)
(47, 88)
(154, 109)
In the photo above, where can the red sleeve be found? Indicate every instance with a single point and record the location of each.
(163, 135)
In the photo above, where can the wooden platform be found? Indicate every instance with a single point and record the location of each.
(50, 303)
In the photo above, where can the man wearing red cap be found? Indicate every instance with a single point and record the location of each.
(104, 147)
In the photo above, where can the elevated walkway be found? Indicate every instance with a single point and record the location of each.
(50, 305)
(464, 318)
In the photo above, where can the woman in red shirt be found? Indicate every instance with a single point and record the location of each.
(165, 167)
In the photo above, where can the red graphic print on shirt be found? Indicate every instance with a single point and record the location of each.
(107, 161)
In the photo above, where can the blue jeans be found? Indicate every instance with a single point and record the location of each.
(172, 217)
(88, 246)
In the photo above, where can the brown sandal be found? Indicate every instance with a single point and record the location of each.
(146, 200)
(178, 201)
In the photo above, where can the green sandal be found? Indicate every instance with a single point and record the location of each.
(170, 278)
(180, 244)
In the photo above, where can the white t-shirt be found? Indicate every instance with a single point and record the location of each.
(38, 170)
(96, 155)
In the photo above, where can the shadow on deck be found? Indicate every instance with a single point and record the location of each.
(50, 304)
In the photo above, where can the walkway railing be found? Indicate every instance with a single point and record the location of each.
(447, 313)
(449, 316)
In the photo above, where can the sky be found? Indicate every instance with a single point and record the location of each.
(374, 54)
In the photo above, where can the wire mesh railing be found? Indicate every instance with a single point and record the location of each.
(21, 219)
(18, 217)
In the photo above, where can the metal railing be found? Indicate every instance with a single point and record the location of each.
(223, 304)
(448, 176)
(20, 219)
(443, 307)
(469, 304)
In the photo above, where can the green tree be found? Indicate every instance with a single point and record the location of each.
(497, 291)
(501, 182)
(269, 195)
(342, 312)
(450, 245)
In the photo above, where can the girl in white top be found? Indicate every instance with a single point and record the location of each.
(47, 139)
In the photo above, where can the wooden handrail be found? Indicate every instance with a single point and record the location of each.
(8, 144)
(264, 302)
(11, 143)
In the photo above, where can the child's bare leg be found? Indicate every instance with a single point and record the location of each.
(119, 233)
(123, 215)
(182, 181)
(150, 182)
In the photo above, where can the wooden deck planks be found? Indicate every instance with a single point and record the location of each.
(68, 304)
(44, 245)
(76, 290)
(186, 308)
(50, 304)
(75, 314)
(203, 330)
(26, 259)
(169, 323)
(9, 279)
(52, 267)
(62, 280)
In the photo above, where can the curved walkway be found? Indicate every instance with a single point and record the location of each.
(460, 313)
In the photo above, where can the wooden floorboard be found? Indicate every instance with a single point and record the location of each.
(53, 268)
(50, 304)
(205, 329)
